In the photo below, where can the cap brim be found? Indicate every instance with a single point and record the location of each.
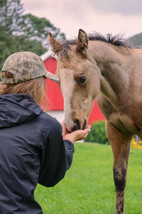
(51, 76)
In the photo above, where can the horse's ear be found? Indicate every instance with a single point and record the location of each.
(55, 45)
(82, 43)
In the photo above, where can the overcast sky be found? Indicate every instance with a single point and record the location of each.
(103, 16)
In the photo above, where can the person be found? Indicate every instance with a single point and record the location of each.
(34, 147)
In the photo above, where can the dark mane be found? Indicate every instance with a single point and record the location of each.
(116, 40)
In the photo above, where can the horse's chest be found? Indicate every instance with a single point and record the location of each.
(128, 121)
(125, 124)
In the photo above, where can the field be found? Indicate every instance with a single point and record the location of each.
(88, 186)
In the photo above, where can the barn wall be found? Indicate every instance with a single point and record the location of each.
(96, 114)
(53, 92)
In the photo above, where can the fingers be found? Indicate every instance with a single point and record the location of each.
(86, 133)
(63, 122)
(81, 134)
(75, 135)
(89, 127)
(63, 128)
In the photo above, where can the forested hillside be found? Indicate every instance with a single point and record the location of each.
(136, 40)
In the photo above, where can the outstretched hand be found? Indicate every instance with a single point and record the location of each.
(75, 135)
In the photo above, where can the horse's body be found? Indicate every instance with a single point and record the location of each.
(112, 73)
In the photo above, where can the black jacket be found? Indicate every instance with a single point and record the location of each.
(31, 151)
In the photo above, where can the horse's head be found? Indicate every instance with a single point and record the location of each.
(79, 79)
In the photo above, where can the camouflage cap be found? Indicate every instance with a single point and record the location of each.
(25, 66)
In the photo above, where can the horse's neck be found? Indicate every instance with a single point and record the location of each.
(114, 79)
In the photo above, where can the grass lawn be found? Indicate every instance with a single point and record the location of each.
(88, 186)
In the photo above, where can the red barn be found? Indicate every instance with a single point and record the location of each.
(54, 95)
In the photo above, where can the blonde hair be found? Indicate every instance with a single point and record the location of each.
(35, 88)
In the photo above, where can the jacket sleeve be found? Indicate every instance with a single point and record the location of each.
(56, 157)
(69, 149)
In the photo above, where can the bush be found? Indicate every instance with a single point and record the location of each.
(98, 133)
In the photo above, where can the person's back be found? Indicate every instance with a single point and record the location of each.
(32, 149)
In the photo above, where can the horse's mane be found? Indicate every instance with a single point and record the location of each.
(116, 40)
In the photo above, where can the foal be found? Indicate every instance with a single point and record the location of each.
(109, 70)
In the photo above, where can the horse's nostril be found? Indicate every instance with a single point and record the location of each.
(77, 125)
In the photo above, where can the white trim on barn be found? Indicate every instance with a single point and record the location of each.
(48, 54)
(59, 115)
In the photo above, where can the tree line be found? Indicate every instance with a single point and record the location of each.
(136, 40)
(23, 32)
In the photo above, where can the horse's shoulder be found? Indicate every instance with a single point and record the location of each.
(105, 106)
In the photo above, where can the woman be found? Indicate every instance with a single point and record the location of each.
(33, 147)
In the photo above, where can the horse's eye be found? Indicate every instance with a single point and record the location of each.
(81, 79)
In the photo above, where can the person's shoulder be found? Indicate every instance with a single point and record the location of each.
(49, 121)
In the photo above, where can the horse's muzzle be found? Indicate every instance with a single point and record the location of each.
(77, 125)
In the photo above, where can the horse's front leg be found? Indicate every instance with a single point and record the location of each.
(120, 146)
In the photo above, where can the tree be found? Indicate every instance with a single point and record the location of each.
(35, 28)
(28, 26)
(10, 14)
(23, 32)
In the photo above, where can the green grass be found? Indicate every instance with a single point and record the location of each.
(88, 186)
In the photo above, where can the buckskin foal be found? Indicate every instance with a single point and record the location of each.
(107, 69)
